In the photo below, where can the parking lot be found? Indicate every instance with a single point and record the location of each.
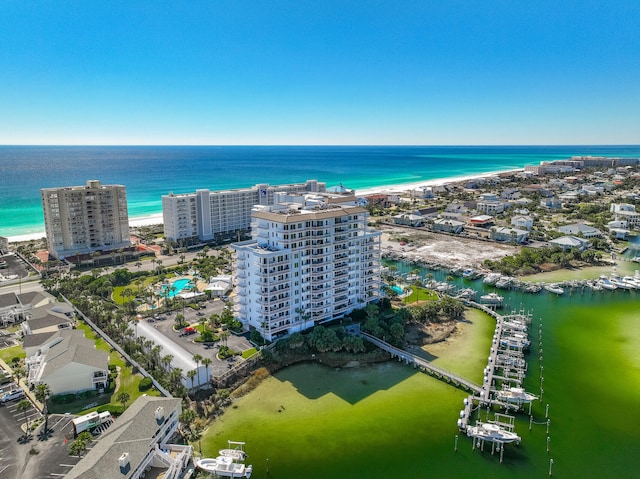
(14, 265)
(165, 326)
(36, 456)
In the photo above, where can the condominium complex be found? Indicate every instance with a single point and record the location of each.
(208, 215)
(306, 264)
(84, 219)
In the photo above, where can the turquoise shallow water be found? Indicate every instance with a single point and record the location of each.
(150, 172)
(391, 421)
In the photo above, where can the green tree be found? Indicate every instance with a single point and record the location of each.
(23, 407)
(42, 393)
(123, 398)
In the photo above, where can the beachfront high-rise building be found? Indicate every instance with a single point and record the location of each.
(84, 219)
(306, 264)
(215, 215)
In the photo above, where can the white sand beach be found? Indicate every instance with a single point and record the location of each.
(156, 218)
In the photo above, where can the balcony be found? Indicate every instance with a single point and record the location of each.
(100, 377)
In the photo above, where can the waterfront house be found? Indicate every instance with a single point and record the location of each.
(581, 229)
(626, 212)
(140, 443)
(570, 242)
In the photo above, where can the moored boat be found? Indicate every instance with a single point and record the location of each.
(492, 433)
(554, 288)
(492, 299)
(515, 396)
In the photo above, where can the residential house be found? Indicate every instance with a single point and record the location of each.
(68, 362)
(139, 444)
(522, 222)
(570, 242)
(444, 225)
(481, 220)
(581, 229)
(551, 203)
(626, 212)
(618, 229)
(511, 235)
(409, 219)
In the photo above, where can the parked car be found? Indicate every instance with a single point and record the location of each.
(12, 395)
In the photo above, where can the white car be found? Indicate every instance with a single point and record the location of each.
(12, 395)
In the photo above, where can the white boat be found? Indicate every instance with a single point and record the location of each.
(224, 466)
(515, 396)
(491, 278)
(227, 464)
(606, 284)
(470, 274)
(532, 288)
(492, 433)
(467, 294)
(504, 283)
(618, 283)
(554, 288)
(515, 342)
(491, 299)
(514, 326)
(632, 281)
(636, 259)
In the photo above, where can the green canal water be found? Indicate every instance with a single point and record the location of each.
(388, 420)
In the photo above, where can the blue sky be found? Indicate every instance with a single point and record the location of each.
(235, 72)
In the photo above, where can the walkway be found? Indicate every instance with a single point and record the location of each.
(423, 364)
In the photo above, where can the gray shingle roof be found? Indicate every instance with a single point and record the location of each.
(131, 433)
(74, 347)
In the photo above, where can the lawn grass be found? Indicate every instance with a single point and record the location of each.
(8, 354)
(248, 353)
(117, 290)
(129, 380)
(421, 294)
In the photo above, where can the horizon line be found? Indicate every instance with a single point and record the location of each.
(319, 145)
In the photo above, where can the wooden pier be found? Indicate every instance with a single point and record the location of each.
(423, 364)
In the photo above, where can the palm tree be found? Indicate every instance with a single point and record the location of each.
(191, 374)
(43, 392)
(19, 373)
(138, 265)
(123, 397)
(23, 407)
(197, 358)
(206, 362)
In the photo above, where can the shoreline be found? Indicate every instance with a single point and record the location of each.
(156, 218)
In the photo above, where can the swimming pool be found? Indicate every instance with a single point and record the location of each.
(178, 284)
(397, 289)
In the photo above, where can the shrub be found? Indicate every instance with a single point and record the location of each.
(113, 368)
(145, 383)
(114, 409)
(63, 398)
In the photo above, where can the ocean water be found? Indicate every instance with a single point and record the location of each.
(149, 172)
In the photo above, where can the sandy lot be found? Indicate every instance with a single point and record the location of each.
(441, 249)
